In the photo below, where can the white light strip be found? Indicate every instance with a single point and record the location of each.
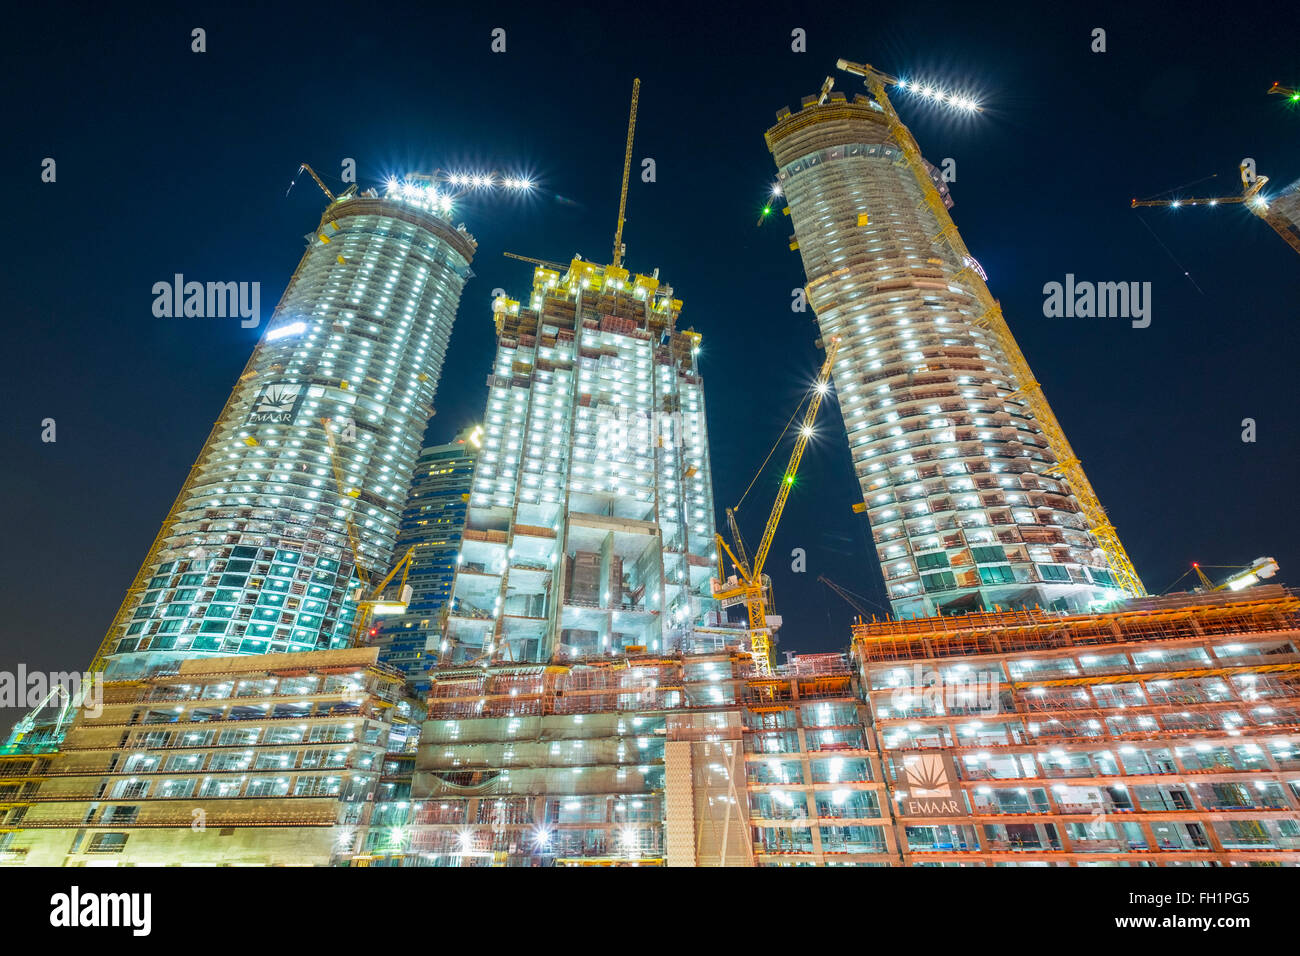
(938, 95)
(293, 328)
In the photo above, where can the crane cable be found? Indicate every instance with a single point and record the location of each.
(776, 445)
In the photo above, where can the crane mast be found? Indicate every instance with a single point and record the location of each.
(617, 260)
(748, 586)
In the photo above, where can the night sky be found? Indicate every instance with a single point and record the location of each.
(172, 161)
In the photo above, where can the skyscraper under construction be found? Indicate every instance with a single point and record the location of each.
(974, 496)
(590, 526)
(260, 551)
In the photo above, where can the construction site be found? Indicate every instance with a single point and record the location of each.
(587, 674)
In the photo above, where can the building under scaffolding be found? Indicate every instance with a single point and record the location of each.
(590, 525)
(652, 760)
(1164, 733)
(253, 760)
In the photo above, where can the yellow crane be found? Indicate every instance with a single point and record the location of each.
(991, 319)
(747, 585)
(1254, 200)
(370, 602)
(1290, 94)
(322, 186)
(545, 264)
(1241, 578)
(617, 261)
(852, 600)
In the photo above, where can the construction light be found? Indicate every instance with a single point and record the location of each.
(940, 96)
(293, 328)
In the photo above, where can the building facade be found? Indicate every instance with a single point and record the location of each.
(255, 555)
(431, 524)
(653, 760)
(243, 760)
(1163, 733)
(590, 525)
(966, 495)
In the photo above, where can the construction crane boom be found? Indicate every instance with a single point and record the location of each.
(1251, 185)
(819, 391)
(736, 537)
(749, 586)
(322, 186)
(991, 319)
(849, 597)
(537, 262)
(1250, 195)
(617, 260)
(1241, 578)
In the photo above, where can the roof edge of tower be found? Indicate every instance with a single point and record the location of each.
(811, 113)
(461, 241)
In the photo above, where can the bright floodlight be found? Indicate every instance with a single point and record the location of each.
(807, 432)
(821, 388)
(293, 328)
(1175, 204)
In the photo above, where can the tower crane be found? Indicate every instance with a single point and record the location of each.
(545, 264)
(1251, 196)
(322, 186)
(992, 320)
(1290, 94)
(617, 261)
(747, 584)
(853, 600)
(1241, 577)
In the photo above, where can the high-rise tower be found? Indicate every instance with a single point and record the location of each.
(590, 527)
(255, 556)
(431, 524)
(973, 494)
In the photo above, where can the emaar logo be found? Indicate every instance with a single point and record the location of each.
(72, 910)
(276, 404)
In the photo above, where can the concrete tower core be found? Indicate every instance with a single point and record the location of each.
(968, 503)
(255, 555)
(590, 526)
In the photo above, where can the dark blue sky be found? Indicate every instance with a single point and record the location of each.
(171, 161)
